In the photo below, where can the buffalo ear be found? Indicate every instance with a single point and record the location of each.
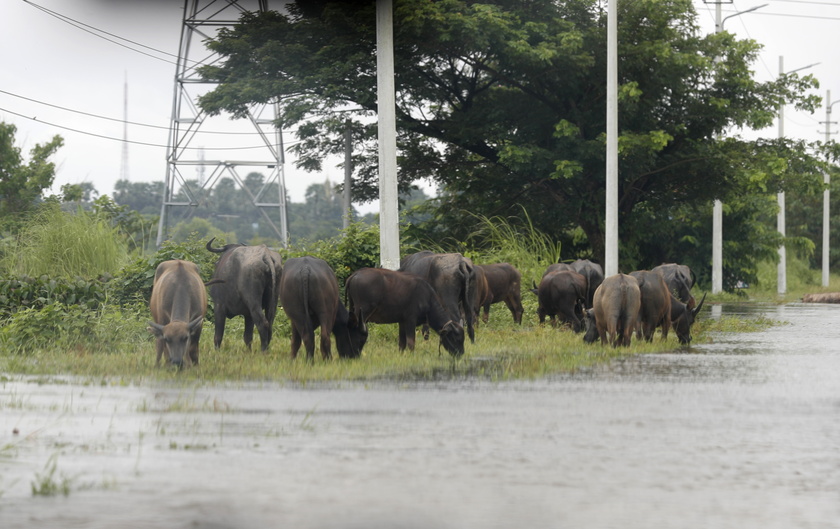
(195, 324)
(156, 329)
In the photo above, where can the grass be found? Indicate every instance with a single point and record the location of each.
(502, 351)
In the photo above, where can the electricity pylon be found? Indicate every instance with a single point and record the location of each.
(227, 145)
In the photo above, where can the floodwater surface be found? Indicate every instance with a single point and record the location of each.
(740, 433)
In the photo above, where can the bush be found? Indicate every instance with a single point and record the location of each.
(65, 245)
(26, 292)
(134, 282)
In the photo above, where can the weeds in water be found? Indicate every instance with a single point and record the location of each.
(47, 483)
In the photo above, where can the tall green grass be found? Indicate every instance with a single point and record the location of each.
(62, 244)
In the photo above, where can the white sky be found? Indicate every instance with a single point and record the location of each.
(50, 61)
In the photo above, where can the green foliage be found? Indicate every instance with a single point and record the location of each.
(62, 244)
(516, 94)
(21, 184)
(26, 292)
(356, 247)
(134, 282)
(138, 230)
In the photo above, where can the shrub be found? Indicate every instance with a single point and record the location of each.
(24, 292)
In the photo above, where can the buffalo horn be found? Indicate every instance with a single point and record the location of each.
(697, 309)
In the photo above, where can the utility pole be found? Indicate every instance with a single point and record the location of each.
(827, 191)
(717, 208)
(781, 272)
(348, 174)
(611, 221)
(389, 233)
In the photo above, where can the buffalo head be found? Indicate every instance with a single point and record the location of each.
(452, 338)
(177, 336)
(686, 316)
(591, 328)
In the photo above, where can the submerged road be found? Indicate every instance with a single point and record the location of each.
(740, 433)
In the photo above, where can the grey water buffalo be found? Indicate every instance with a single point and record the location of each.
(251, 289)
(376, 295)
(178, 305)
(560, 295)
(683, 317)
(615, 310)
(656, 304)
(310, 298)
(594, 275)
(504, 282)
(453, 277)
(680, 279)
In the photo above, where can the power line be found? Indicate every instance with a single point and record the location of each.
(116, 120)
(131, 141)
(101, 34)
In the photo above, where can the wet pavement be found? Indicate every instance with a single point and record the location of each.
(743, 432)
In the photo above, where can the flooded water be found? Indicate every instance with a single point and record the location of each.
(740, 433)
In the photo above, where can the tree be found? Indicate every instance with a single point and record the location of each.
(21, 184)
(502, 103)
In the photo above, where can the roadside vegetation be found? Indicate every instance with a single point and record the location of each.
(96, 328)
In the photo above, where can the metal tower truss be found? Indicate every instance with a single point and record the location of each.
(226, 144)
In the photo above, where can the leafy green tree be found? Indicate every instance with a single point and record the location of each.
(21, 183)
(143, 197)
(503, 104)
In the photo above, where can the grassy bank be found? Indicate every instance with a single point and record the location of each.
(501, 351)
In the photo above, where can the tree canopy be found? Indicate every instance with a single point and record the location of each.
(22, 183)
(503, 104)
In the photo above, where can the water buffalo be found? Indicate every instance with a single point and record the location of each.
(656, 304)
(482, 295)
(452, 276)
(376, 295)
(504, 281)
(560, 296)
(594, 275)
(251, 276)
(615, 309)
(679, 279)
(682, 318)
(178, 305)
(310, 298)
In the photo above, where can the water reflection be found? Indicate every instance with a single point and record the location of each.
(738, 433)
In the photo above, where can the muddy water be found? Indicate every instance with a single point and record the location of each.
(741, 433)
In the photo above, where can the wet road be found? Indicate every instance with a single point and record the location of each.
(741, 433)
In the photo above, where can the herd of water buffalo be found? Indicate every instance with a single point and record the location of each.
(441, 291)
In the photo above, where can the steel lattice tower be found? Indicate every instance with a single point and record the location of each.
(256, 142)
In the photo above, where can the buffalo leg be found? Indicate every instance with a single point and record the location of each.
(159, 345)
(295, 341)
(309, 343)
(220, 328)
(326, 346)
(248, 336)
(193, 352)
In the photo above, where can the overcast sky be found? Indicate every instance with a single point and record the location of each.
(47, 61)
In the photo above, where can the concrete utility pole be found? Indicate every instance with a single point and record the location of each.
(611, 221)
(717, 209)
(348, 175)
(781, 274)
(827, 192)
(389, 233)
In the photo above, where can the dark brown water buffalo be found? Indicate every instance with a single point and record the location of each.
(561, 294)
(482, 295)
(310, 298)
(656, 304)
(376, 295)
(452, 276)
(505, 283)
(594, 275)
(615, 309)
(178, 305)
(680, 280)
(251, 289)
(683, 317)
(557, 267)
